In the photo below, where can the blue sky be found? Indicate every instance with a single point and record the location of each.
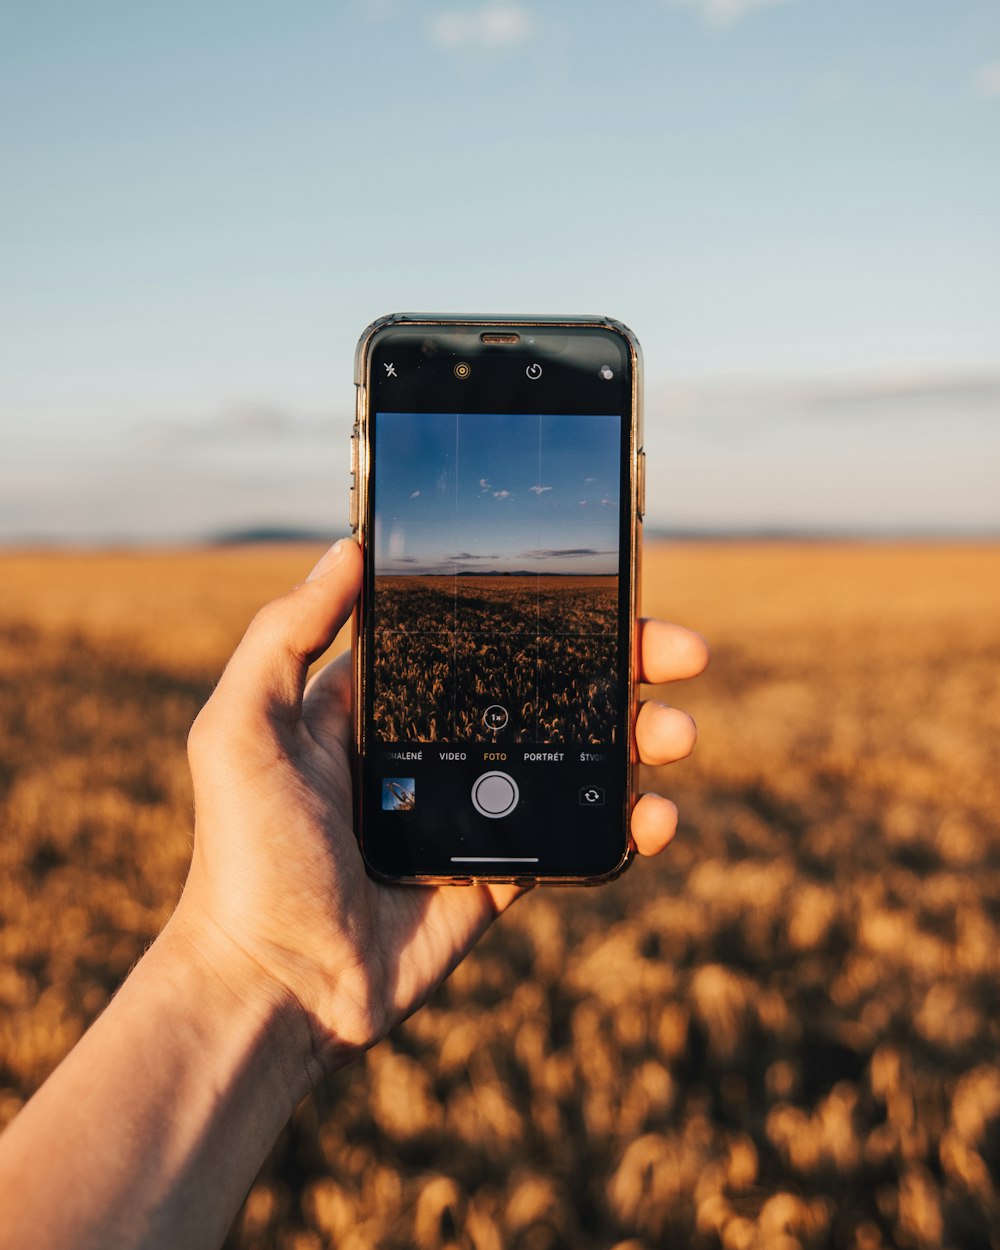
(504, 493)
(794, 203)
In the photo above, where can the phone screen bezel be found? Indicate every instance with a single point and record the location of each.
(567, 349)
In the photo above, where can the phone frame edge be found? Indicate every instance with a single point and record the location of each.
(361, 480)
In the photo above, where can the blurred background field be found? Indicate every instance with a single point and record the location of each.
(784, 1033)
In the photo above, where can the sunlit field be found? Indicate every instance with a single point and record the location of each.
(784, 1033)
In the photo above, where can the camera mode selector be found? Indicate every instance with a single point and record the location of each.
(495, 795)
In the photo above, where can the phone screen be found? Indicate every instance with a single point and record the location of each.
(499, 513)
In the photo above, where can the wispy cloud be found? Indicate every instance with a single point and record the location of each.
(721, 13)
(539, 490)
(414, 494)
(498, 25)
(249, 419)
(501, 494)
(888, 451)
(378, 10)
(565, 553)
(906, 450)
(763, 403)
(484, 483)
(986, 81)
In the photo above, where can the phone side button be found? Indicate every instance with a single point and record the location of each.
(640, 485)
(352, 509)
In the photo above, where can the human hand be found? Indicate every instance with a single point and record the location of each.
(277, 897)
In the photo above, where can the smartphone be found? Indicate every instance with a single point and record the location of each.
(497, 495)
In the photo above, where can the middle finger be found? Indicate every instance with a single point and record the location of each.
(664, 734)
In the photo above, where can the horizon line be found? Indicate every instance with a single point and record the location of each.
(278, 535)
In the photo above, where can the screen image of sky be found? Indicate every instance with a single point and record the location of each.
(496, 493)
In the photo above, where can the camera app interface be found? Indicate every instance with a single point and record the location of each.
(496, 550)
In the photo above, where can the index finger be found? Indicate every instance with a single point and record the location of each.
(669, 652)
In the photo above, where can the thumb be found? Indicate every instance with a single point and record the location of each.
(265, 678)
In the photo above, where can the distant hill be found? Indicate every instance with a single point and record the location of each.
(522, 573)
(270, 534)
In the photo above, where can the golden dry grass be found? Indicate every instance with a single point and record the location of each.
(782, 1034)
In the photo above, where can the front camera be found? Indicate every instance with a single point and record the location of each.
(462, 370)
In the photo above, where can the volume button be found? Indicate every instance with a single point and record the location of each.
(641, 484)
(353, 509)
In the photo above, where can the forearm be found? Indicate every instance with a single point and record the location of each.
(151, 1131)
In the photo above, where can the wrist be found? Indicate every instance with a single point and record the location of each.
(152, 1129)
(206, 966)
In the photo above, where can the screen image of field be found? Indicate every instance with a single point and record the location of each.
(496, 578)
(526, 659)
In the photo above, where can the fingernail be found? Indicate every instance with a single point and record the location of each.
(328, 559)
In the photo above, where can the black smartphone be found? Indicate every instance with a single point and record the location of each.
(497, 494)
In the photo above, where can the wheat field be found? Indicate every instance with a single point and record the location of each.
(477, 635)
(782, 1034)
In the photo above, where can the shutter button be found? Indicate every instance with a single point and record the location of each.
(495, 795)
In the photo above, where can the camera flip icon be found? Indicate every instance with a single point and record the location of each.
(591, 796)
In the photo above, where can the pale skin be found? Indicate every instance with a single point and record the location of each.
(282, 962)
